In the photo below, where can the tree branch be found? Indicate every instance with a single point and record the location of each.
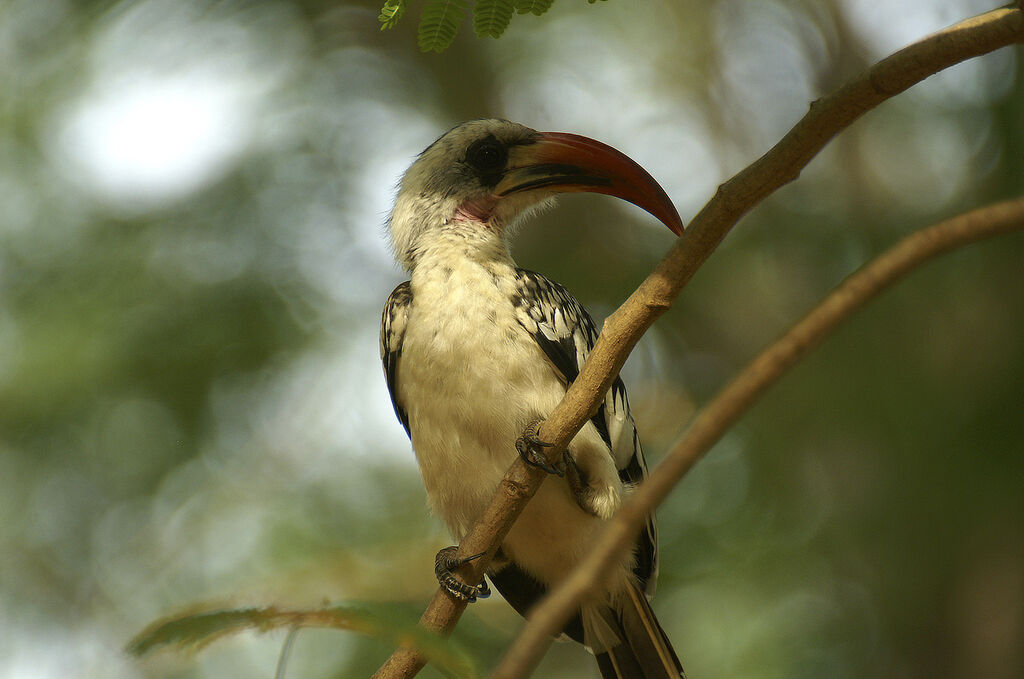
(550, 615)
(782, 164)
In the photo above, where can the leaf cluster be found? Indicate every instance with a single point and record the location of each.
(440, 19)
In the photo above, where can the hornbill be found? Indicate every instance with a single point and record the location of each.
(477, 351)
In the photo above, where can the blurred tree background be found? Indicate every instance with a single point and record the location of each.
(193, 263)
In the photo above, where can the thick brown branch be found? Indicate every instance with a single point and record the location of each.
(624, 328)
(548, 617)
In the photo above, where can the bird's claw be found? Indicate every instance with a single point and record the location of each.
(530, 448)
(444, 563)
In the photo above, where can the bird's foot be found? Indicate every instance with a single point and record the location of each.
(577, 480)
(444, 563)
(530, 448)
(597, 500)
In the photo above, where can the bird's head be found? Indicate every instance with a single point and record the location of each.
(480, 177)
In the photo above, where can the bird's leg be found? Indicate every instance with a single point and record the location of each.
(444, 563)
(531, 449)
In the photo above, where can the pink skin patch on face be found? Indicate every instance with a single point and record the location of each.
(477, 209)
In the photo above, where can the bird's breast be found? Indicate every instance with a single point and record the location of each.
(470, 378)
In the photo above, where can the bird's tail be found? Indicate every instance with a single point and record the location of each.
(628, 641)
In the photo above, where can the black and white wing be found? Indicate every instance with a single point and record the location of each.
(566, 333)
(392, 334)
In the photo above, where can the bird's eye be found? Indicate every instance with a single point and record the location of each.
(487, 155)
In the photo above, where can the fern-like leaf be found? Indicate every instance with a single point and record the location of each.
(491, 17)
(197, 629)
(439, 23)
(390, 13)
(535, 7)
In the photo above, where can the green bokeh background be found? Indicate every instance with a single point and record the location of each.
(193, 262)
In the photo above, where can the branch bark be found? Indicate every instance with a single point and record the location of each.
(780, 165)
(548, 617)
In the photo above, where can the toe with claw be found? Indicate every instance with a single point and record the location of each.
(531, 449)
(444, 563)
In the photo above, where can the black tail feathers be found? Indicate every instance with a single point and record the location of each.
(628, 641)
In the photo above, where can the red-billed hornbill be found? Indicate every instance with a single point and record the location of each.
(476, 351)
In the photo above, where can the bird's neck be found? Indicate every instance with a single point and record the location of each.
(463, 242)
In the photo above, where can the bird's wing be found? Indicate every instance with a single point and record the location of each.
(392, 334)
(566, 333)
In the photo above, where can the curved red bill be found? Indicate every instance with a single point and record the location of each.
(562, 162)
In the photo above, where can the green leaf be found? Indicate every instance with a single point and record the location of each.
(390, 13)
(195, 630)
(535, 7)
(439, 23)
(491, 17)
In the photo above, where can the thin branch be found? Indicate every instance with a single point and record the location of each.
(782, 164)
(550, 615)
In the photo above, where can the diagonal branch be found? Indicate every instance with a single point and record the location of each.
(782, 164)
(550, 615)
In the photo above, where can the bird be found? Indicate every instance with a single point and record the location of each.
(478, 351)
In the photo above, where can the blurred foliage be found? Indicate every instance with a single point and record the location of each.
(195, 630)
(193, 263)
(440, 19)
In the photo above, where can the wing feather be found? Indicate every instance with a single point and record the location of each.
(392, 334)
(566, 333)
